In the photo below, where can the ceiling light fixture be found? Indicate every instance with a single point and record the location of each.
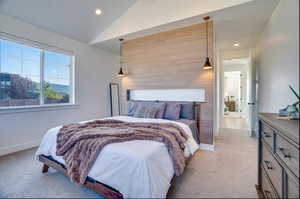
(98, 11)
(207, 64)
(236, 44)
(121, 73)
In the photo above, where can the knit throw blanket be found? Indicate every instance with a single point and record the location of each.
(80, 144)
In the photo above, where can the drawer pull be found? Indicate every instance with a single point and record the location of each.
(266, 135)
(268, 165)
(283, 153)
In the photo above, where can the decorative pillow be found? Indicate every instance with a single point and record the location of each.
(132, 106)
(140, 111)
(161, 107)
(150, 112)
(172, 111)
(187, 111)
(145, 112)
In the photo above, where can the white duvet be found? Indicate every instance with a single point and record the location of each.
(137, 169)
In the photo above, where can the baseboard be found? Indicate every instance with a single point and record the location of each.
(20, 147)
(207, 147)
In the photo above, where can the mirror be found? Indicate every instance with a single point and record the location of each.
(114, 99)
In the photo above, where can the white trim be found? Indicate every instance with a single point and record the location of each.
(20, 147)
(189, 94)
(42, 61)
(42, 47)
(216, 83)
(72, 81)
(45, 107)
(35, 44)
(207, 147)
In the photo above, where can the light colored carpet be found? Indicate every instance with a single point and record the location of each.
(230, 171)
(234, 123)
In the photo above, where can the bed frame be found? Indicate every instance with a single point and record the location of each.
(98, 187)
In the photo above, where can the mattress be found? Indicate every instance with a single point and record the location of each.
(137, 169)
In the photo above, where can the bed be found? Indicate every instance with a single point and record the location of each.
(132, 169)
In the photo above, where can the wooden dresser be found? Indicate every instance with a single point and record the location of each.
(278, 158)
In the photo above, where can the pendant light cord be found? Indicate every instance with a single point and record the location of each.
(121, 52)
(121, 57)
(206, 39)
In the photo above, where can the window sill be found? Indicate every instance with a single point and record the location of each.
(26, 109)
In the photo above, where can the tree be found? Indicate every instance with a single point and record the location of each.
(13, 86)
(50, 93)
(52, 96)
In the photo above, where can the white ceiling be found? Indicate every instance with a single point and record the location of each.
(72, 18)
(148, 14)
(241, 24)
(76, 19)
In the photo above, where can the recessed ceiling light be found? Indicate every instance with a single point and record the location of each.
(98, 11)
(236, 44)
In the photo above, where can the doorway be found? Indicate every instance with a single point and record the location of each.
(232, 94)
(235, 94)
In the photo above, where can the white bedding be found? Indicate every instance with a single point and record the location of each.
(137, 169)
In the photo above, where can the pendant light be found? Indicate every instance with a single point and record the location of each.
(121, 73)
(207, 64)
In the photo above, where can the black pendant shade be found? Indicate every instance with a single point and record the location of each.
(120, 73)
(207, 64)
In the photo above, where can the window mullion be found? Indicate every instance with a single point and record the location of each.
(42, 77)
(0, 55)
(72, 82)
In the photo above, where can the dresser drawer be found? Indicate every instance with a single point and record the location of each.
(292, 186)
(268, 135)
(273, 169)
(288, 153)
(267, 188)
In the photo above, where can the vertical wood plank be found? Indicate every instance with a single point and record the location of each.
(172, 59)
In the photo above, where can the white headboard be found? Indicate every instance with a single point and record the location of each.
(193, 94)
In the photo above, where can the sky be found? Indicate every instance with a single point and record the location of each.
(25, 61)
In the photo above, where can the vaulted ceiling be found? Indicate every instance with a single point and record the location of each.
(72, 18)
(242, 23)
(235, 20)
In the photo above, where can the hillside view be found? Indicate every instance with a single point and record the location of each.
(16, 90)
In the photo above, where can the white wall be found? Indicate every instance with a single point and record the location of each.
(277, 57)
(94, 70)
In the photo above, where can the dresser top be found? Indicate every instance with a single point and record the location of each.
(290, 128)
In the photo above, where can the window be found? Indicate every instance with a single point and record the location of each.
(34, 76)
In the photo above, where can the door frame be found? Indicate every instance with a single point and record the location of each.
(219, 81)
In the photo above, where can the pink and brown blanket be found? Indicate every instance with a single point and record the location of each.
(80, 144)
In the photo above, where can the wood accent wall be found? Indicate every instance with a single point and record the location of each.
(172, 59)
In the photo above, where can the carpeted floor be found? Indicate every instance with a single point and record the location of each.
(230, 171)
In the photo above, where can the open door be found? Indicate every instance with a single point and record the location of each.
(253, 97)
